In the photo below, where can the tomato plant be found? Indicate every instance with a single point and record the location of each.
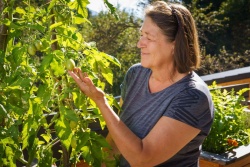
(38, 99)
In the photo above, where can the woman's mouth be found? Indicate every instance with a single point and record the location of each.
(143, 54)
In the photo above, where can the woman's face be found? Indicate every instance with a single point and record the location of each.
(156, 51)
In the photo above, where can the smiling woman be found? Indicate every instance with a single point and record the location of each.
(167, 109)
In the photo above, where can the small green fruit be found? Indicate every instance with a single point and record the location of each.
(31, 49)
(38, 44)
(70, 64)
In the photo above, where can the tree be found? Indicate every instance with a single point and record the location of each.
(223, 61)
(238, 31)
(226, 24)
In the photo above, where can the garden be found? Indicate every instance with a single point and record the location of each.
(44, 118)
(230, 130)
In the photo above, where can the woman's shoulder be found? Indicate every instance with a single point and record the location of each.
(199, 84)
(136, 66)
(137, 69)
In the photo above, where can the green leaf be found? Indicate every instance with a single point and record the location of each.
(10, 156)
(13, 132)
(25, 135)
(16, 109)
(46, 158)
(53, 26)
(10, 24)
(30, 111)
(21, 82)
(63, 132)
(96, 153)
(82, 7)
(111, 8)
(100, 140)
(44, 92)
(46, 62)
(8, 88)
(17, 54)
(51, 4)
(68, 113)
(46, 137)
(242, 91)
(20, 10)
(80, 20)
(86, 154)
(7, 140)
(37, 27)
(106, 72)
(62, 127)
(29, 132)
(57, 68)
(110, 58)
(83, 138)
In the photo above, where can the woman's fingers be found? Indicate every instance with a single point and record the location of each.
(81, 79)
(85, 74)
(86, 84)
(75, 77)
(81, 75)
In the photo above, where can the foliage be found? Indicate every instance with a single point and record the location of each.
(208, 22)
(238, 31)
(231, 24)
(117, 38)
(229, 127)
(40, 105)
(222, 61)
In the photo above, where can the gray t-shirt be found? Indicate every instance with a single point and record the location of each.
(187, 100)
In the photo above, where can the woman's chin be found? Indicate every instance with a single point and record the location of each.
(144, 64)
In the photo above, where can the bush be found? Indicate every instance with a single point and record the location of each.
(229, 129)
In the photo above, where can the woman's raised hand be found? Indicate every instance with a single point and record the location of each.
(86, 85)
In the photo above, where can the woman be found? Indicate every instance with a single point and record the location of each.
(167, 109)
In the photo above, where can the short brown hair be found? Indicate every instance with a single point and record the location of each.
(177, 23)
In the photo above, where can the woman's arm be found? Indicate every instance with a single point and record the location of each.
(164, 140)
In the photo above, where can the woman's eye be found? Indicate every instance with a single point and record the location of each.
(146, 37)
(149, 38)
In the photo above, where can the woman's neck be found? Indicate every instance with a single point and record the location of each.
(161, 80)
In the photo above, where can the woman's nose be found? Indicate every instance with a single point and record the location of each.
(141, 43)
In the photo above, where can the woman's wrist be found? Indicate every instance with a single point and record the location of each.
(101, 102)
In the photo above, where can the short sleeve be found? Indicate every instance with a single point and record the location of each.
(191, 106)
(127, 79)
(124, 85)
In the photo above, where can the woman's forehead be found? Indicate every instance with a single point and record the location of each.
(149, 27)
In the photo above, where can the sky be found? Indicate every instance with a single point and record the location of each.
(98, 5)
